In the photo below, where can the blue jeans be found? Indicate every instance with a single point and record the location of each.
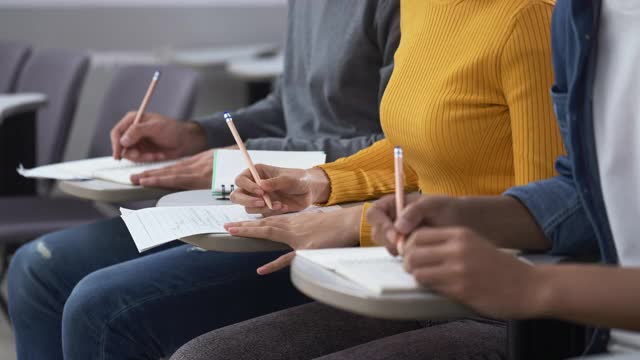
(86, 293)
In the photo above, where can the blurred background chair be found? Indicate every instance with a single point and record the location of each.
(27, 217)
(174, 97)
(12, 57)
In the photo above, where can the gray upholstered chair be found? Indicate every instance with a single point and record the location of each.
(25, 218)
(12, 58)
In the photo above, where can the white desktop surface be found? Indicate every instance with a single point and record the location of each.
(257, 69)
(218, 56)
(332, 289)
(11, 104)
(107, 191)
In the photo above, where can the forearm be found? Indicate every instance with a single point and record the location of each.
(501, 219)
(263, 119)
(597, 295)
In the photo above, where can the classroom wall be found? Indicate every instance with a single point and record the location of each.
(153, 26)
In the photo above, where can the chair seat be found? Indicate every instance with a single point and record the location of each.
(23, 218)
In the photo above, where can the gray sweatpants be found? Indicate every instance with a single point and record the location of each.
(316, 331)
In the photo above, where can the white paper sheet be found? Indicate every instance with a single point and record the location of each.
(372, 268)
(229, 164)
(105, 168)
(153, 227)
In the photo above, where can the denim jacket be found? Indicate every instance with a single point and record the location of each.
(570, 207)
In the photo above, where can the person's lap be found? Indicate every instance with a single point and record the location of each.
(316, 331)
(88, 289)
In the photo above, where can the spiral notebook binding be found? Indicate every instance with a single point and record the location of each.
(224, 194)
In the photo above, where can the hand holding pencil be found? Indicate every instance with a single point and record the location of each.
(142, 136)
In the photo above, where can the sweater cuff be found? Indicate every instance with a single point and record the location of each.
(366, 239)
(345, 185)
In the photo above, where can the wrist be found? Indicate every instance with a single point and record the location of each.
(541, 292)
(353, 215)
(196, 137)
(319, 185)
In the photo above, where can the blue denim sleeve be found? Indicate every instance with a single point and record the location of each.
(557, 208)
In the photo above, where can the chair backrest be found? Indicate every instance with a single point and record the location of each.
(59, 74)
(174, 97)
(12, 58)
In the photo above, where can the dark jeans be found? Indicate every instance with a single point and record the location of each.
(86, 293)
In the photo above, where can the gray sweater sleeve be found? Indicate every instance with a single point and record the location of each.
(264, 118)
(387, 36)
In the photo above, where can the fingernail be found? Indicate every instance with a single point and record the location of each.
(125, 140)
(259, 191)
(133, 153)
(232, 230)
(259, 203)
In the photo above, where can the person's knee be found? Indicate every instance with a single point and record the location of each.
(95, 322)
(87, 308)
(30, 273)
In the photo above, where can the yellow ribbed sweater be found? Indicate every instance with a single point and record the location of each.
(468, 102)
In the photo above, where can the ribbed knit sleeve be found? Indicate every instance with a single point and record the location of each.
(527, 75)
(367, 174)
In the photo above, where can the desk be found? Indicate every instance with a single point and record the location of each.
(14, 104)
(217, 242)
(218, 56)
(330, 288)
(18, 114)
(258, 73)
(107, 191)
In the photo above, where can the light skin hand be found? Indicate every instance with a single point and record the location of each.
(502, 219)
(189, 174)
(333, 229)
(289, 189)
(155, 138)
(464, 266)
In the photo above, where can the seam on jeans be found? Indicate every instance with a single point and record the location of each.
(103, 332)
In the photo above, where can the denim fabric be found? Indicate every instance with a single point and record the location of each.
(570, 207)
(86, 293)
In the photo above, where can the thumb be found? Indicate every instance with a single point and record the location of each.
(410, 218)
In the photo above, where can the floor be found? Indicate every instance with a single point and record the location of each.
(7, 350)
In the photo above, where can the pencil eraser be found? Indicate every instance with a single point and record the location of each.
(156, 75)
(227, 116)
(397, 151)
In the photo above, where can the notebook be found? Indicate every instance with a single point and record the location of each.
(228, 164)
(373, 268)
(153, 227)
(104, 168)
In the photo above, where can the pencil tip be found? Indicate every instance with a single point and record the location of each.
(156, 75)
(227, 116)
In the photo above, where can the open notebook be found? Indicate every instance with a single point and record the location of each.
(370, 267)
(104, 168)
(228, 164)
